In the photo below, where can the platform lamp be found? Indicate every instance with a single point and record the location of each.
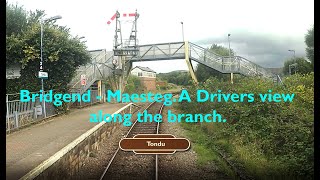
(41, 60)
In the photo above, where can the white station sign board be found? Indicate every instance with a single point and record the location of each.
(83, 80)
(43, 75)
(39, 110)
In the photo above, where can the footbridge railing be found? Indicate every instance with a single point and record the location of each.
(98, 69)
(101, 66)
(223, 64)
(163, 51)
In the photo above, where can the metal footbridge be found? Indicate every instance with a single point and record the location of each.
(185, 50)
(101, 66)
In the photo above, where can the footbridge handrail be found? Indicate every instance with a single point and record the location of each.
(227, 64)
(101, 66)
(90, 70)
(161, 51)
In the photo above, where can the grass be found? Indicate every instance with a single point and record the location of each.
(167, 90)
(247, 158)
(206, 153)
(264, 141)
(256, 164)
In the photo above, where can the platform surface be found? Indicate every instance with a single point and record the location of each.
(29, 147)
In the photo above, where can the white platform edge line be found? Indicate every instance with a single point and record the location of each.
(51, 160)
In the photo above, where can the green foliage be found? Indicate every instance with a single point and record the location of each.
(176, 77)
(16, 19)
(205, 149)
(107, 84)
(270, 140)
(303, 66)
(309, 40)
(62, 53)
(133, 85)
(222, 51)
(203, 72)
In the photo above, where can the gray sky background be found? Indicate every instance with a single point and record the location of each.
(261, 31)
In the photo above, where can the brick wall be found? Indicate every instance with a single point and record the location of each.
(69, 165)
(161, 83)
(148, 83)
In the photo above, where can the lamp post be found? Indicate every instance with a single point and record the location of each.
(41, 57)
(294, 52)
(182, 31)
(231, 74)
(229, 44)
(294, 61)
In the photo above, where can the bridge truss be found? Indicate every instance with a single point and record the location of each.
(102, 65)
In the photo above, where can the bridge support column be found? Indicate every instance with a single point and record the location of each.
(126, 72)
(231, 78)
(188, 61)
(121, 76)
(100, 90)
(103, 92)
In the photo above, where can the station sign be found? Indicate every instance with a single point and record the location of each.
(154, 144)
(43, 75)
(122, 52)
(83, 80)
(39, 110)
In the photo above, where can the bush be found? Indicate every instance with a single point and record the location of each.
(281, 133)
(133, 85)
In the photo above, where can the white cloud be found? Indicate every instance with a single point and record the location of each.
(160, 20)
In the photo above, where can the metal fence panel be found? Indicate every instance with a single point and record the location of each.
(23, 113)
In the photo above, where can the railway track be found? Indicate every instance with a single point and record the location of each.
(127, 165)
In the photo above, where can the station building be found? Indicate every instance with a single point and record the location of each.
(147, 77)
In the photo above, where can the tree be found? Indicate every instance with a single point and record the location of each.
(309, 40)
(133, 85)
(16, 19)
(203, 72)
(62, 53)
(176, 77)
(303, 66)
(222, 51)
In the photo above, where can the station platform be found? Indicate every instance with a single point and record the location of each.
(29, 147)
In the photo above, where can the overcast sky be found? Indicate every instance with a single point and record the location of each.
(261, 31)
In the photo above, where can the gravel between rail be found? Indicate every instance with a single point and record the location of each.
(95, 164)
(181, 165)
(127, 165)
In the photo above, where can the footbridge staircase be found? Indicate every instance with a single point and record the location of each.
(99, 68)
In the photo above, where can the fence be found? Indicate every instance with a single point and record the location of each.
(93, 97)
(20, 114)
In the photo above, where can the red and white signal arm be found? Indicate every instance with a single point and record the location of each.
(83, 80)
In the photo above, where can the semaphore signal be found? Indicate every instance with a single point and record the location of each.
(123, 15)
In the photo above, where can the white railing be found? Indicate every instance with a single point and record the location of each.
(226, 64)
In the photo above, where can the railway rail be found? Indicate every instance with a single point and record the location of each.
(123, 163)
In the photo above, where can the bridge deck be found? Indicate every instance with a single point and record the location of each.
(103, 67)
(27, 148)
